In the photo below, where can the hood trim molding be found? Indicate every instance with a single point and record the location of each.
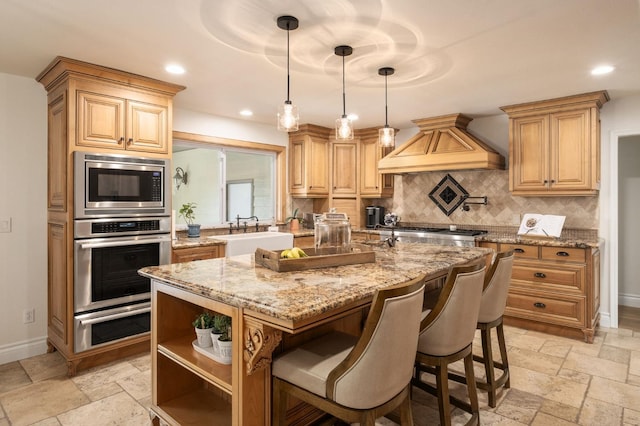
(442, 144)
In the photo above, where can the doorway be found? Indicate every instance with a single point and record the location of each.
(628, 231)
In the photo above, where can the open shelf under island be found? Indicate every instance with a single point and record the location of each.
(270, 312)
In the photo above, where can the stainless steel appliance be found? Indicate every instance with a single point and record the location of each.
(113, 185)
(375, 216)
(111, 301)
(439, 236)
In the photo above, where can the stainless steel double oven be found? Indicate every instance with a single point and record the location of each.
(122, 223)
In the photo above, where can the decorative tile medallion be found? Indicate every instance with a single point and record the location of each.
(448, 194)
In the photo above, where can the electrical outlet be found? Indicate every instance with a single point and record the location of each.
(28, 316)
(5, 224)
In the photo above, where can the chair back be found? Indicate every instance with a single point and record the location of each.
(496, 288)
(450, 326)
(380, 365)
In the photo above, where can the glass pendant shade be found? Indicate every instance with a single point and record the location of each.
(288, 117)
(344, 128)
(387, 136)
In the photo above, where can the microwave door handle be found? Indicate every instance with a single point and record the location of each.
(123, 243)
(115, 316)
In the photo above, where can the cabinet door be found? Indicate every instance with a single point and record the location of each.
(570, 151)
(58, 291)
(309, 166)
(372, 183)
(101, 121)
(529, 154)
(147, 127)
(345, 174)
(194, 253)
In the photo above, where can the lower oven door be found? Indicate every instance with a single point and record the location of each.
(106, 269)
(99, 328)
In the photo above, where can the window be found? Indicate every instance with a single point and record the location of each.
(228, 178)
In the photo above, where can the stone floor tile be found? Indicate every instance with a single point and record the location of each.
(525, 341)
(45, 366)
(137, 385)
(632, 379)
(536, 361)
(596, 366)
(615, 354)
(4, 422)
(102, 390)
(634, 363)
(124, 411)
(555, 388)
(97, 377)
(142, 362)
(519, 406)
(624, 342)
(13, 377)
(544, 419)
(53, 396)
(51, 421)
(622, 394)
(575, 376)
(599, 413)
(630, 417)
(495, 419)
(562, 411)
(559, 348)
(591, 349)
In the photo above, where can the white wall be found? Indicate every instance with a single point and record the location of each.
(628, 208)
(23, 186)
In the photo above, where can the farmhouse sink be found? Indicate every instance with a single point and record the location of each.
(248, 243)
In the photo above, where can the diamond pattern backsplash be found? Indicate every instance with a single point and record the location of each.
(448, 194)
(412, 203)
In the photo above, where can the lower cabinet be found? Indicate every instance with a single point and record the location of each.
(188, 254)
(553, 289)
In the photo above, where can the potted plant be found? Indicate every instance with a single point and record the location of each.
(224, 342)
(189, 216)
(203, 325)
(294, 220)
(220, 325)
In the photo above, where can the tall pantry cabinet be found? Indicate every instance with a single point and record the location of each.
(98, 109)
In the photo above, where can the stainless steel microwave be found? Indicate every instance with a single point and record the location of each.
(113, 185)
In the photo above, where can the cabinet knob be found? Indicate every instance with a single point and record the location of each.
(130, 141)
(546, 181)
(540, 305)
(539, 275)
(518, 250)
(121, 140)
(562, 254)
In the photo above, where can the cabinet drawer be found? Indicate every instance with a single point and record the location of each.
(194, 253)
(538, 275)
(565, 254)
(521, 251)
(546, 308)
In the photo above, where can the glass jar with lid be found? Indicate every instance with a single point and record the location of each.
(332, 233)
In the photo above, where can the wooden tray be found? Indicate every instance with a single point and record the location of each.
(317, 259)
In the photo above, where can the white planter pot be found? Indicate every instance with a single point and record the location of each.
(204, 337)
(224, 348)
(214, 339)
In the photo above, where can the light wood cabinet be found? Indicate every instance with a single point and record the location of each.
(87, 105)
(553, 289)
(305, 241)
(189, 254)
(309, 162)
(344, 166)
(554, 146)
(373, 184)
(106, 121)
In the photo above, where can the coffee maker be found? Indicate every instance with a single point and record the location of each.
(375, 216)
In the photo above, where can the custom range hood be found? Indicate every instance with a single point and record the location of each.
(442, 144)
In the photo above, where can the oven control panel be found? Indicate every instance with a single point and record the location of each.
(128, 226)
(91, 228)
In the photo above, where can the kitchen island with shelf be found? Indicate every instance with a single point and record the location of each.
(270, 312)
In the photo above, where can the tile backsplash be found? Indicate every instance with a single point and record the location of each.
(412, 203)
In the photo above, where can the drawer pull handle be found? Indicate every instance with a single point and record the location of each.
(539, 275)
(539, 305)
(518, 250)
(562, 254)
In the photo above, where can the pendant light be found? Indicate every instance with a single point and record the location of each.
(386, 135)
(344, 126)
(288, 113)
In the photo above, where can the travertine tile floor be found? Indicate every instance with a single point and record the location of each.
(554, 381)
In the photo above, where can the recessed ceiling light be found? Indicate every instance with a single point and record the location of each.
(246, 113)
(602, 69)
(174, 69)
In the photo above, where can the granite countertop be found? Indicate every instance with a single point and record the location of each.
(294, 296)
(569, 241)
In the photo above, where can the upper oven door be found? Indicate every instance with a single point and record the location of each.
(117, 185)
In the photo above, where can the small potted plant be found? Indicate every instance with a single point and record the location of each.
(294, 220)
(220, 325)
(224, 341)
(189, 216)
(203, 325)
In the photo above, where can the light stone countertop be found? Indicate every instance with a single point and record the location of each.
(294, 296)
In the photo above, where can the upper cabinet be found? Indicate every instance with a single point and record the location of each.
(309, 162)
(373, 184)
(344, 166)
(554, 146)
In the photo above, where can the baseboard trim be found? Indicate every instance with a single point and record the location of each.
(605, 319)
(631, 300)
(24, 349)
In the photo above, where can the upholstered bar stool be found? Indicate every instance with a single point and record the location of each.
(357, 379)
(446, 336)
(494, 300)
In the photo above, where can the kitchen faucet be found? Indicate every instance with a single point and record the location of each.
(238, 219)
(391, 241)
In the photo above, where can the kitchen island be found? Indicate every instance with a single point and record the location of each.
(270, 311)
